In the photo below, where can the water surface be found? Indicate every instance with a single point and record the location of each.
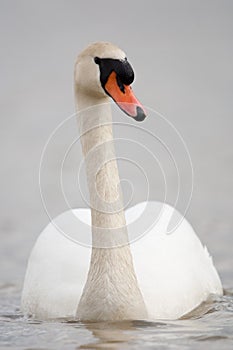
(211, 326)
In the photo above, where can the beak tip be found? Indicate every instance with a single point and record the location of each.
(140, 114)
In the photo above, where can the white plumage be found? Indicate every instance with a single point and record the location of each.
(174, 271)
(161, 275)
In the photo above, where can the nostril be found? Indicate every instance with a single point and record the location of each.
(120, 84)
(140, 114)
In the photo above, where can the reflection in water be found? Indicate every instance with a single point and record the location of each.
(115, 335)
(209, 326)
(192, 327)
(108, 335)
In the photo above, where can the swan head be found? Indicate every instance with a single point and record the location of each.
(103, 71)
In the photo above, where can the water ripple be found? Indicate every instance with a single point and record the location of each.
(210, 324)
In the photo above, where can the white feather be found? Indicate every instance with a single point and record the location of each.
(175, 272)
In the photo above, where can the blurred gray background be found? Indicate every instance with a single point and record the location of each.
(182, 53)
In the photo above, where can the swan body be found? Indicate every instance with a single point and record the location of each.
(174, 271)
(160, 275)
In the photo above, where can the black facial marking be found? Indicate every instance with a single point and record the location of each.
(122, 68)
(97, 60)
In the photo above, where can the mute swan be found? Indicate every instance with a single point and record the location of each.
(160, 276)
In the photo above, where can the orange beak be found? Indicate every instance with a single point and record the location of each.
(124, 98)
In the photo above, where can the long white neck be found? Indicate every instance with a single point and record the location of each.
(111, 291)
